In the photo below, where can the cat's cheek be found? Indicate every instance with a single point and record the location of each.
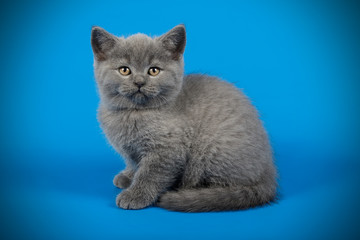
(130, 200)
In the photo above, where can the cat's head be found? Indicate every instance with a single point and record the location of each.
(138, 71)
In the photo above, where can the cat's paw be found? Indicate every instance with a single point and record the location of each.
(132, 200)
(122, 181)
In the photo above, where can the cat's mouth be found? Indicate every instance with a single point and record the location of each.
(139, 96)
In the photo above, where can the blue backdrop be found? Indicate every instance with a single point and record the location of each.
(299, 62)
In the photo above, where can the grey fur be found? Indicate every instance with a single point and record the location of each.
(192, 143)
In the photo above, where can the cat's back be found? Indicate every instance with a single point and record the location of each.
(208, 97)
(225, 125)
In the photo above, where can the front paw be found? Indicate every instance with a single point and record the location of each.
(121, 181)
(132, 200)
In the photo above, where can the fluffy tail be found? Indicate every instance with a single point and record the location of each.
(217, 198)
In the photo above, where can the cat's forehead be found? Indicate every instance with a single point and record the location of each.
(140, 49)
(137, 42)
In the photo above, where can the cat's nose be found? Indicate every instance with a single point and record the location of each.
(139, 81)
(139, 84)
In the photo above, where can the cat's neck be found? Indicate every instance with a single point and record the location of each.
(136, 109)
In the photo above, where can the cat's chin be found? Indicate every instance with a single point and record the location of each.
(139, 98)
(142, 97)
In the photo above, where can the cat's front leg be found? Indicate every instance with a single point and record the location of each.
(154, 176)
(124, 178)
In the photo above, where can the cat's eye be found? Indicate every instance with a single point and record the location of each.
(124, 71)
(153, 71)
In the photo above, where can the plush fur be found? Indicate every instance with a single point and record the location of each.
(191, 143)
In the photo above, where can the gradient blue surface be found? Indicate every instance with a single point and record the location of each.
(299, 62)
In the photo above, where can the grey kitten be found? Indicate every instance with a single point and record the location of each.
(191, 143)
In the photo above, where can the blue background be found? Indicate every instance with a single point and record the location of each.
(299, 62)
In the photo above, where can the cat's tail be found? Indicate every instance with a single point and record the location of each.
(217, 198)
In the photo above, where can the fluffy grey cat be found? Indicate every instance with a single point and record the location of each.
(191, 143)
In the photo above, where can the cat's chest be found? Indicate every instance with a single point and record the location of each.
(123, 125)
(133, 134)
(132, 128)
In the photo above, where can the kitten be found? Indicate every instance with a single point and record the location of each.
(191, 143)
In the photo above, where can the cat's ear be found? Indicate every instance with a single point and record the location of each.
(101, 42)
(175, 40)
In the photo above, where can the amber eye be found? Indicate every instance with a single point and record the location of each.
(153, 71)
(124, 71)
